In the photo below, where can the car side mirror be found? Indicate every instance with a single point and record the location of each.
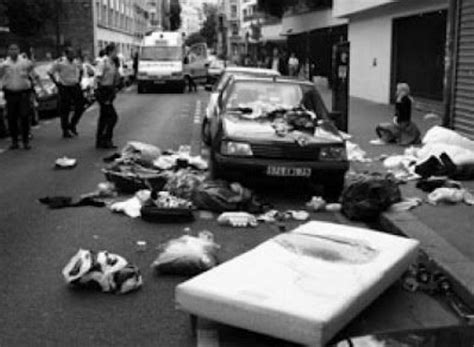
(336, 118)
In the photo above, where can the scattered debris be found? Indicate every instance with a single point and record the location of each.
(333, 207)
(65, 163)
(132, 207)
(355, 153)
(316, 204)
(187, 255)
(368, 195)
(406, 204)
(238, 219)
(141, 246)
(102, 270)
(58, 202)
(450, 195)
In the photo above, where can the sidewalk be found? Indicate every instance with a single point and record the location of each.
(445, 231)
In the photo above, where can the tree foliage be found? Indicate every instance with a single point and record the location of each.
(175, 15)
(28, 17)
(209, 29)
(194, 38)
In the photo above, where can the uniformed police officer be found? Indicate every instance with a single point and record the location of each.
(67, 73)
(107, 80)
(17, 75)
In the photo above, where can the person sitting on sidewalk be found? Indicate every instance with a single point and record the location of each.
(402, 130)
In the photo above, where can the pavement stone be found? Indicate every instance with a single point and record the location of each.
(445, 232)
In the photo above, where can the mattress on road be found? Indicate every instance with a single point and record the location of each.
(302, 286)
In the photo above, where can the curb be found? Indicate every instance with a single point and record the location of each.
(457, 267)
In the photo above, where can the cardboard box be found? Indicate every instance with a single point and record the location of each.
(302, 286)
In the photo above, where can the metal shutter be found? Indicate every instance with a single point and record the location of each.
(463, 120)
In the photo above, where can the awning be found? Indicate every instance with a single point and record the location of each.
(272, 33)
(297, 24)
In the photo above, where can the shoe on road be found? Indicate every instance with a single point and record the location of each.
(67, 135)
(73, 130)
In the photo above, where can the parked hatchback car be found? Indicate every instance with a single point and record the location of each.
(222, 82)
(274, 128)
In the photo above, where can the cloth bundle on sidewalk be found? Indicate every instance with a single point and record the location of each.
(102, 271)
(368, 195)
(222, 196)
(141, 152)
(187, 255)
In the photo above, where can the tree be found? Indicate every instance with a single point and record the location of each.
(175, 15)
(209, 29)
(195, 38)
(27, 17)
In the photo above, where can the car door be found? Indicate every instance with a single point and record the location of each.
(197, 63)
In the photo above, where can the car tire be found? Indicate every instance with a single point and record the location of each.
(205, 132)
(333, 187)
(214, 170)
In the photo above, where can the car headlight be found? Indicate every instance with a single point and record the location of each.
(332, 154)
(236, 149)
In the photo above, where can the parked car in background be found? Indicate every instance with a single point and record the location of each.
(273, 128)
(220, 84)
(215, 70)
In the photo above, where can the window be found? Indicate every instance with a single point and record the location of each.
(235, 29)
(233, 11)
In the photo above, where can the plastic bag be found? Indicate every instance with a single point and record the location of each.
(187, 255)
(132, 207)
(143, 152)
(103, 271)
(368, 195)
(220, 196)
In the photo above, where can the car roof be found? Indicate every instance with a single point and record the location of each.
(273, 79)
(251, 70)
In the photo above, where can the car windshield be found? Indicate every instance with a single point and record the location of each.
(227, 75)
(162, 53)
(249, 95)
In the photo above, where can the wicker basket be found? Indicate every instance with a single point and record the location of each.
(130, 184)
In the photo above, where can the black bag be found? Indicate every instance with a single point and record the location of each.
(368, 195)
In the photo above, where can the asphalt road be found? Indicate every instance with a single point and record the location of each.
(38, 309)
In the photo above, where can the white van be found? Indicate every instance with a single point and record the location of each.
(164, 60)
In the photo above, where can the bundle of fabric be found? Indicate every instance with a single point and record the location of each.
(129, 176)
(183, 183)
(102, 271)
(445, 153)
(221, 196)
(140, 152)
(187, 255)
(368, 195)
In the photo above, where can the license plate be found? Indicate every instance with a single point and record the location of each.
(282, 171)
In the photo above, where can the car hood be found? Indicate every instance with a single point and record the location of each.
(237, 128)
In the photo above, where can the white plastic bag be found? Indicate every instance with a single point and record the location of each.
(102, 270)
(187, 255)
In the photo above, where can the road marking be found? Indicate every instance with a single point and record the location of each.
(207, 338)
(197, 113)
(196, 133)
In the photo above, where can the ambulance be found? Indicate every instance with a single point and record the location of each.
(164, 60)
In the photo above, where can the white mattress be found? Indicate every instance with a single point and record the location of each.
(302, 286)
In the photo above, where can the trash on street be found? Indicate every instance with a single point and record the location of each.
(334, 207)
(187, 255)
(317, 203)
(103, 271)
(405, 205)
(163, 207)
(65, 163)
(450, 195)
(132, 207)
(331, 272)
(368, 195)
(237, 219)
(58, 202)
(355, 153)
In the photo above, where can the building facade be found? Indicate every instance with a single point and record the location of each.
(192, 16)
(396, 41)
